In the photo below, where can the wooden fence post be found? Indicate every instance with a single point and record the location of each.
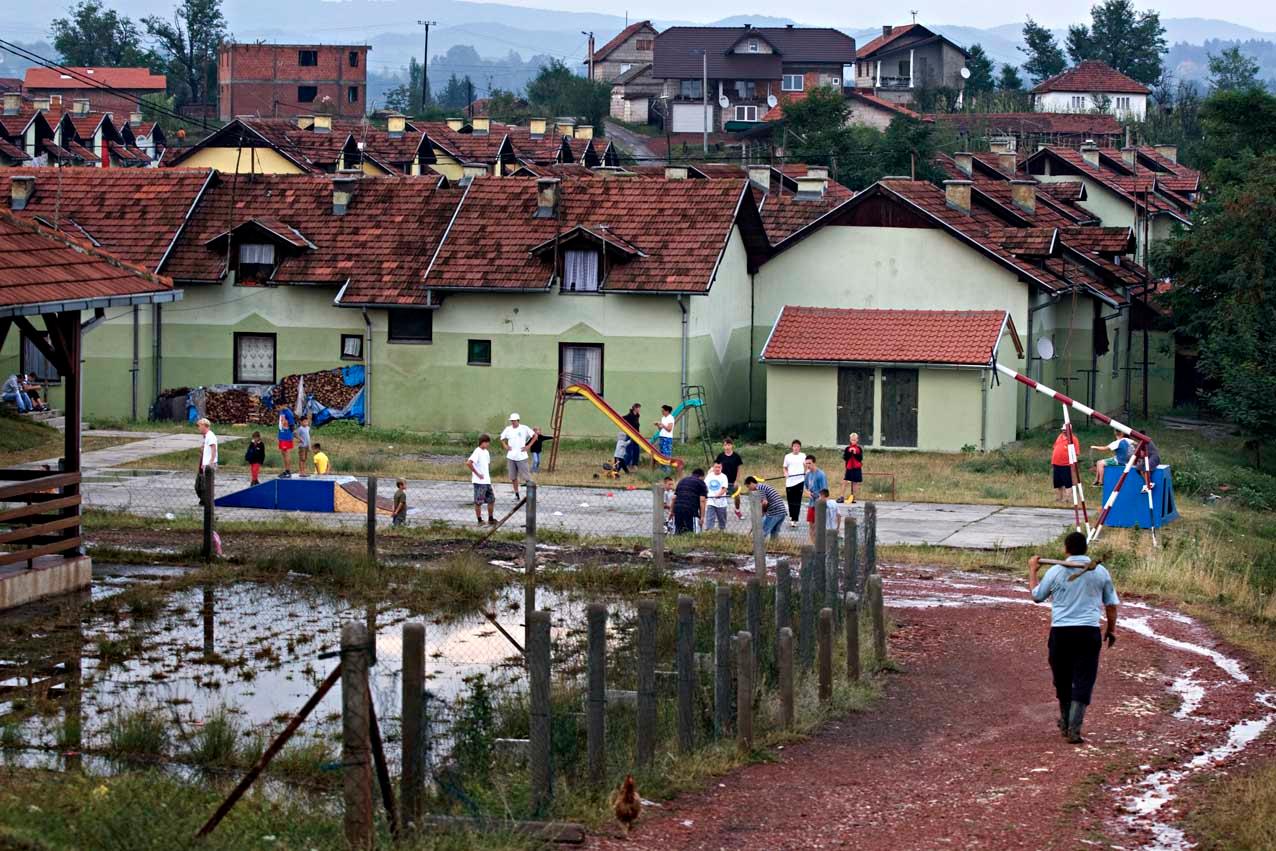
(686, 653)
(878, 614)
(646, 682)
(852, 623)
(412, 775)
(786, 677)
(821, 548)
(806, 613)
(783, 602)
(870, 539)
(851, 568)
(596, 711)
(207, 548)
(538, 693)
(744, 692)
(832, 565)
(753, 619)
(759, 539)
(721, 659)
(529, 534)
(356, 748)
(658, 515)
(372, 519)
(826, 654)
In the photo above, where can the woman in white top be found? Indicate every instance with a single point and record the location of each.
(794, 480)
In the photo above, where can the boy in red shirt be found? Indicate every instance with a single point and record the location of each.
(1060, 464)
(853, 455)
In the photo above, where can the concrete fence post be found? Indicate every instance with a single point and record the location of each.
(783, 602)
(686, 655)
(759, 539)
(356, 748)
(412, 775)
(870, 539)
(826, 654)
(596, 709)
(646, 749)
(806, 614)
(372, 519)
(850, 557)
(658, 515)
(878, 614)
(744, 692)
(542, 779)
(785, 645)
(851, 605)
(721, 660)
(753, 619)
(207, 550)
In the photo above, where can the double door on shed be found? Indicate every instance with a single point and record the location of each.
(856, 403)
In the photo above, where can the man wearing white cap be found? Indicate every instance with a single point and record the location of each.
(515, 438)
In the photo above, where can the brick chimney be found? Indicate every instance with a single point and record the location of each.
(323, 124)
(1090, 153)
(957, 194)
(395, 126)
(1007, 162)
(676, 172)
(811, 185)
(887, 29)
(481, 126)
(584, 131)
(818, 171)
(21, 188)
(1024, 194)
(344, 186)
(536, 127)
(455, 124)
(547, 190)
(965, 162)
(760, 176)
(12, 103)
(1170, 152)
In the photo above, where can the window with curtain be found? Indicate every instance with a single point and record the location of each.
(256, 261)
(254, 358)
(689, 88)
(580, 271)
(746, 89)
(581, 364)
(352, 347)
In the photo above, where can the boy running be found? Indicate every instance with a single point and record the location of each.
(480, 462)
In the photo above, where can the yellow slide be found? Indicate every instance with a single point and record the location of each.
(587, 392)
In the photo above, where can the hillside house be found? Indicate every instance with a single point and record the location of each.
(904, 59)
(631, 47)
(1092, 86)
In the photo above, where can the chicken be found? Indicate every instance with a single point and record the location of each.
(626, 804)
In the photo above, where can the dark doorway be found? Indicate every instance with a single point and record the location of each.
(855, 403)
(899, 407)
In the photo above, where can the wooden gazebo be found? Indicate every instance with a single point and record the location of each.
(48, 276)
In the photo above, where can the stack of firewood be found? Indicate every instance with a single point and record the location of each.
(326, 387)
(236, 406)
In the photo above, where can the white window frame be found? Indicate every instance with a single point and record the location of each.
(787, 83)
(1078, 101)
(257, 253)
(746, 109)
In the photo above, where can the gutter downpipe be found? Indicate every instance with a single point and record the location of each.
(686, 315)
(136, 358)
(367, 371)
(159, 348)
(983, 410)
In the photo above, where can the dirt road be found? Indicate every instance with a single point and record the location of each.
(963, 752)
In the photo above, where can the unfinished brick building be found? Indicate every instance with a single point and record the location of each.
(281, 80)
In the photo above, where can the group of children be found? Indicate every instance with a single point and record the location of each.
(292, 434)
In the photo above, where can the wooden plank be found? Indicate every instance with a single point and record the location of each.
(22, 534)
(546, 831)
(39, 340)
(34, 486)
(38, 508)
(35, 552)
(12, 474)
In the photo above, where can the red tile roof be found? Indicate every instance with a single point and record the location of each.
(12, 151)
(1100, 240)
(119, 78)
(883, 40)
(853, 335)
(1091, 76)
(134, 214)
(621, 37)
(783, 213)
(39, 265)
(889, 106)
(680, 227)
(1115, 176)
(1085, 124)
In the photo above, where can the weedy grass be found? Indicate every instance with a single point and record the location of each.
(139, 734)
(1237, 811)
(215, 743)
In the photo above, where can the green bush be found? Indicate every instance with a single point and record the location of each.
(1253, 489)
(214, 744)
(1193, 474)
(1001, 462)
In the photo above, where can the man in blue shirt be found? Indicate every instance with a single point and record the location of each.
(1076, 589)
(815, 482)
(1120, 449)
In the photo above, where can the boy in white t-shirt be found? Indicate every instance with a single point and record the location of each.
(719, 497)
(515, 438)
(794, 480)
(207, 456)
(480, 466)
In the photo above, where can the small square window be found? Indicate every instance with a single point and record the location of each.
(254, 358)
(354, 59)
(307, 58)
(307, 94)
(352, 94)
(479, 353)
(411, 326)
(644, 44)
(352, 347)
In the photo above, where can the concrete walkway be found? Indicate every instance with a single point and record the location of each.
(150, 445)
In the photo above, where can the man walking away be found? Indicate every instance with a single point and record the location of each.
(814, 482)
(689, 499)
(731, 463)
(794, 467)
(719, 496)
(287, 422)
(1076, 589)
(634, 418)
(480, 462)
(516, 438)
(399, 516)
(773, 510)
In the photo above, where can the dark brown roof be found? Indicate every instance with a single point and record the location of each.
(621, 37)
(1015, 123)
(1091, 76)
(674, 57)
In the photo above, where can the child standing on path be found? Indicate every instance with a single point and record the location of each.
(287, 422)
(794, 467)
(399, 516)
(815, 482)
(480, 462)
(303, 445)
(853, 455)
(516, 438)
(255, 456)
(320, 459)
(719, 497)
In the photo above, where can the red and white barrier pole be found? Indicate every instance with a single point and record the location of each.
(1079, 513)
(1072, 403)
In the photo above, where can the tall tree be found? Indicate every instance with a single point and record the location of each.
(457, 93)
(1010, 81)
(557, 90)
(981, 70)
(93, 35)
(1045, 59)
(189, 45)
(1130, 41)
(1232, 70)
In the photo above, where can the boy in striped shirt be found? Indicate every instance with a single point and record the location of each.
(774, 509)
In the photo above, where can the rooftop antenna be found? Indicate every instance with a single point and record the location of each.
(913, 12)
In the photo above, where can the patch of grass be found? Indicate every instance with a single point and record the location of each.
(455, 584)
(308, 761)
(138, 734)
(1238, 812)
(113, 651)
(215, 744)
(11, 737)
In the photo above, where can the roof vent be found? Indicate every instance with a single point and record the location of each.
(21, 188)
(536, 127)
(1008, 162)
(12, 103)
(964, 161)
(547, 193)
(455, 124)
(344, 185)
(323, 124)
(481, 126)
(760, 176)
(676, 172)
(1024, 194)
(395, 125)
(957, 194)
(1090, 153)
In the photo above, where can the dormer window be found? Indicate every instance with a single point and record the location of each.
(580, 271)
(753, 45)
(256, 261)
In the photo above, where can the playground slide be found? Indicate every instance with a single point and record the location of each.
(617, 420)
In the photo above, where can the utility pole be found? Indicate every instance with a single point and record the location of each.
(704, 96)
(425, 61)
(591, 54)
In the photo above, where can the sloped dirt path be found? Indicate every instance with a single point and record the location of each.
(963, 752)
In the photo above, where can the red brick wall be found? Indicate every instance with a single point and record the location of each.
(262, 79)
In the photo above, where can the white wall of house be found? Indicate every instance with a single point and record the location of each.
(1122, 106)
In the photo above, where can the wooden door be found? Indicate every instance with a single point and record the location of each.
(899, 407)
(855, 403)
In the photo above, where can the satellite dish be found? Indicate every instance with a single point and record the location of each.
(965, 73)
(772, 100)
(724, 101)
(1045, 348)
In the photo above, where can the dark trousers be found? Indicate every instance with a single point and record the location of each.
(1074, 662)
(793, 493)
(684, 521)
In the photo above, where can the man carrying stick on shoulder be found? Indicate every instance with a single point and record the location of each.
(1076, 587)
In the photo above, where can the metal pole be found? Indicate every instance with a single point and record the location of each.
(412, 778)
(704, 95)
(372, 519)
(136, 358)
(355, 744)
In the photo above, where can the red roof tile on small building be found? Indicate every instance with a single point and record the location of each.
(882, 40)
(94, 78)
(855, 335)
(1091, 76)
(784, 213)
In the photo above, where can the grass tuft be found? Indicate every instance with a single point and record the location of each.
(215, 744)
(137, 734)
